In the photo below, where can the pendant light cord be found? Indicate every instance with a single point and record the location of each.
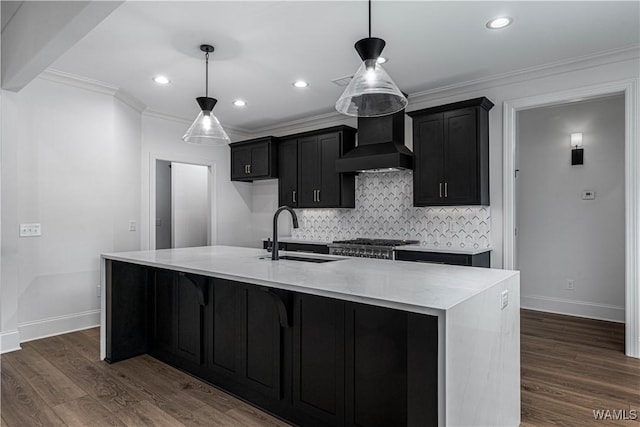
(206, 77)
(369, 18)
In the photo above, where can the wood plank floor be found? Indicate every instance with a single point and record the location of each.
(570, 367)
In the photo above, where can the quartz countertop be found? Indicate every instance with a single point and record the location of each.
(403, 285)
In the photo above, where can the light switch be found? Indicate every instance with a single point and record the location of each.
(588, 195)
(30, 230)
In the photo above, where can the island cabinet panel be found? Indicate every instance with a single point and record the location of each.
(176, 309)
(376, 366)
(224, 327)
(260, 343)
(318, 358)
(126, 311)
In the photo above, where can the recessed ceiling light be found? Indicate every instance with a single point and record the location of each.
(161, 80)
(381, 60)
(240, 103)
(500, 22)
(300, 83)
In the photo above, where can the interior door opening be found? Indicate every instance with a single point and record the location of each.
(182, 205)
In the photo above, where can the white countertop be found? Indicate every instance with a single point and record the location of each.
(415, 248)
(404, 285)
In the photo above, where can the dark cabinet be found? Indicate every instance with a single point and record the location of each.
(176, 316)
(308, 177)
(288, 173)
(482, 259)
(254, 159)
(451, 148)
(318, 358)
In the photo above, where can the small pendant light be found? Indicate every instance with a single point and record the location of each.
(371, 92)
(206, 128)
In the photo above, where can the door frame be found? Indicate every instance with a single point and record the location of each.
(187, 159)
(631, 90)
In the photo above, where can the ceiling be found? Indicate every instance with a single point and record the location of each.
(262, 47)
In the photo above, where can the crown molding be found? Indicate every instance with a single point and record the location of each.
(165, 116)
(130, 100)
(425, 98)
(308, 123)
(74, 80)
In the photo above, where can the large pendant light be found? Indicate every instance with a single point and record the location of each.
(371, 92)
(206, 128)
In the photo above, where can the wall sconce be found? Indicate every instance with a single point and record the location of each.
(577, 152)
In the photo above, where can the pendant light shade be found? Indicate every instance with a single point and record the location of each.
(371, 92)
(206, 128)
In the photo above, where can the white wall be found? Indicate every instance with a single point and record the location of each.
(561, 236)
(70, 159)
(163, 204)
(190, 201)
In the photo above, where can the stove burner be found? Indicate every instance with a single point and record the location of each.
(367, 248)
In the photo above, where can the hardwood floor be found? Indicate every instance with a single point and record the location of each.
(570, 367)
(573, 366)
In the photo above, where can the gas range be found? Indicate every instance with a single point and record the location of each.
(367, 248)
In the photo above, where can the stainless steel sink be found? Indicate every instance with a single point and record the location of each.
(303, 258)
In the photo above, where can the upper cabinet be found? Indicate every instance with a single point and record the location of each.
(254, 159)
(308, 177)
(451, 148)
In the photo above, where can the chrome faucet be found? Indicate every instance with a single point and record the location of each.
(294, 217)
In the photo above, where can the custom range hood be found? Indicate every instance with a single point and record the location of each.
(380, 146)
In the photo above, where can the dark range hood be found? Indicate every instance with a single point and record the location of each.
(380, 146)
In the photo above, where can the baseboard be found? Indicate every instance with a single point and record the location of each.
(44, 328)
(9, 341)
(591, 310)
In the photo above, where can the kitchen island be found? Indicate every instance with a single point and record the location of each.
(350, 341)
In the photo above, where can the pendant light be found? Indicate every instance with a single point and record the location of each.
(371, 92)
(206, 128)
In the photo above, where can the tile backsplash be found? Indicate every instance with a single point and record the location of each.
(384, 209)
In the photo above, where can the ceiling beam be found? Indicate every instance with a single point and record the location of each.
(41, 31)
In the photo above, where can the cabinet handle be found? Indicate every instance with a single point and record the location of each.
(314, 196)
(246, 168)
(249, 168)
(318, 195)
(440, 189)
(445, 189)
(293, 196)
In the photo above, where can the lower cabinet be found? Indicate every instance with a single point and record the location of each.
(482, 259)
(314, 361)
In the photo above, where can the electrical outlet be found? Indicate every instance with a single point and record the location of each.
(30, 230)
(132, 225)
(504, 299)
(570, 284)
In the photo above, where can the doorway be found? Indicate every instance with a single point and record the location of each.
(182, 205)
(570, 231)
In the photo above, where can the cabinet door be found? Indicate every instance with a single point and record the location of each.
(329, 194)
(260, 352)
(318, 358)
(428, 140)
(161, 310)
(376, 366)
(288, 173)
(259, 164)
(224, 339)
(308, 171)
(240, 160)
(461, 157)
(189, 308)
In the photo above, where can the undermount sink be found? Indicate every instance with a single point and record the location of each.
(303, 258)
